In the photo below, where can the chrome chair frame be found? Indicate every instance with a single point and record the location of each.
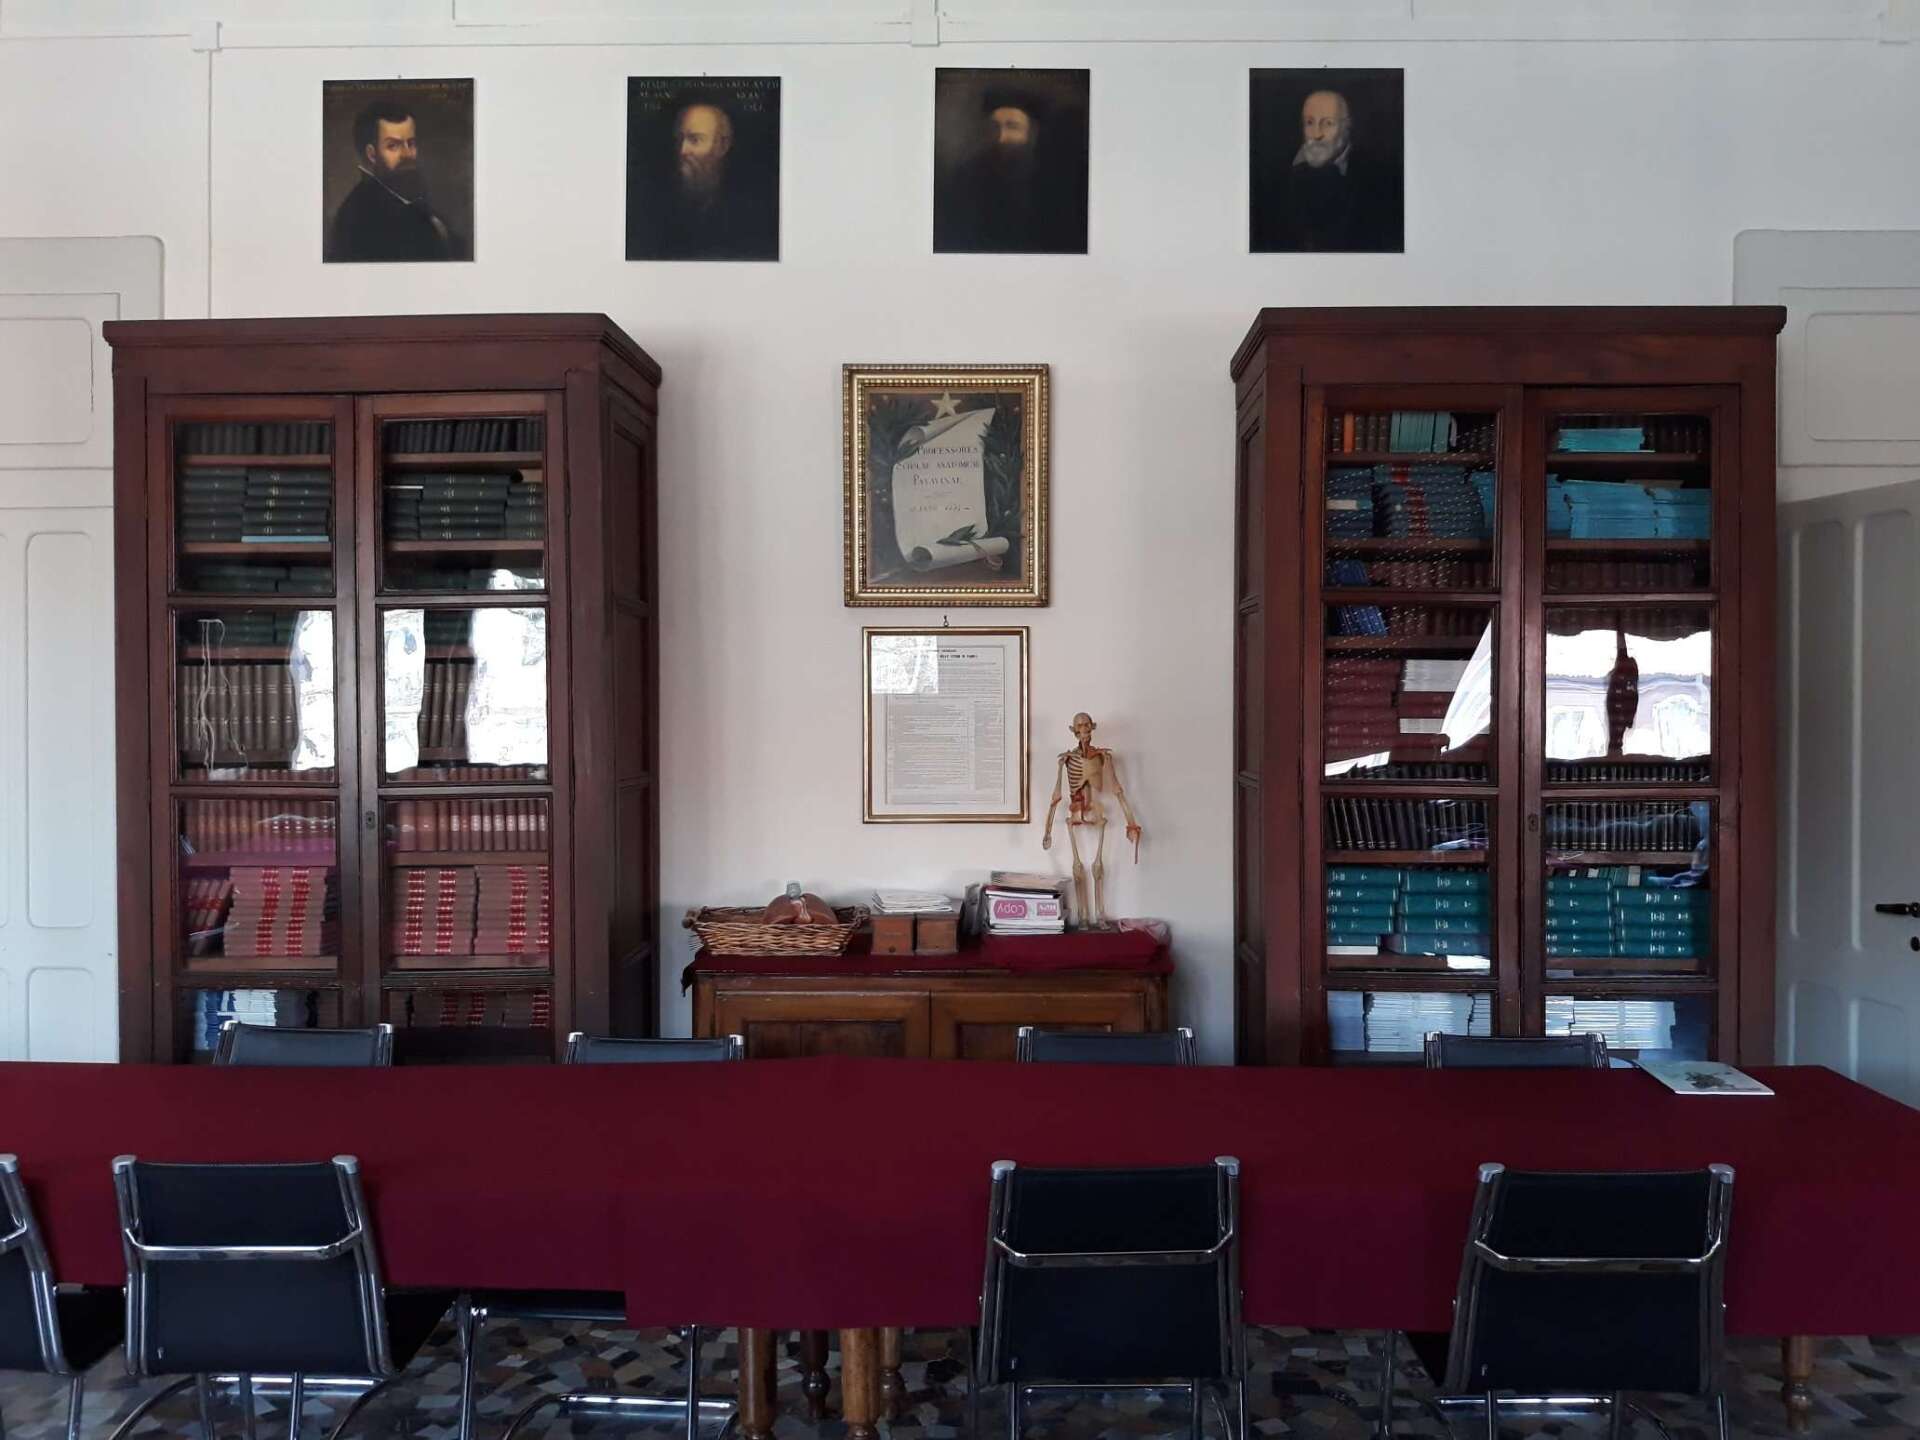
(471, 1319)
(1710, 1265)
(1589, 1048)
(1224, 1255)
(24, 1235)
(230, 1032)
(1186, 1049)
(357, 1242)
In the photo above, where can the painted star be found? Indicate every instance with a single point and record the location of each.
(944, 405)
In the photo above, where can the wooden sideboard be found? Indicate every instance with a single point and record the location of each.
(966, 1006)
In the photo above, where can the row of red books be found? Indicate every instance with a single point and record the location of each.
(205, 903)
(511, 1009)
(237, 708)
(469, 773)
(266, 825)
(282, 910)
(472, 910)
(470, 824)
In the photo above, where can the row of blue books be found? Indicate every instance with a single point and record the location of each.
(1610, 509)
(1398, 1022)
(1619, 910)
(1407, 911)
(1429, 502)
(1601, 439)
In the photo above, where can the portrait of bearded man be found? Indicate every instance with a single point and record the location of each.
(1010, 171)
(703, 170)
(390, 214)
(1340, 184)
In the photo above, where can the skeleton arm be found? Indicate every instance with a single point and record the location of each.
(1059, 779)
(1133, 825)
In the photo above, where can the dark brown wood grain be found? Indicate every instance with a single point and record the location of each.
(588, 380)
(1296, 364)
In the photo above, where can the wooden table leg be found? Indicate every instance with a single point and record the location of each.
(813, 1373)
(1796, 1362)
(860, 1382)
(756, 1384)
(893, 1390)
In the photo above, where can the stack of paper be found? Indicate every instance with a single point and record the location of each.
(910, 902)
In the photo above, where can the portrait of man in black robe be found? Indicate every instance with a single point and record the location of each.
(1327, 171)
(1010, 161)
(383, 208)
(703, 168)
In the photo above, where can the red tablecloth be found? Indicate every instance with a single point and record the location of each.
(1131, 952)
(832, 1193)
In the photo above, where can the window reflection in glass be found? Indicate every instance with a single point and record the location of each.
(255, 695)
(466, 689)
(1631, 685)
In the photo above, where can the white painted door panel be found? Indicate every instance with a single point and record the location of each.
(1850, 832)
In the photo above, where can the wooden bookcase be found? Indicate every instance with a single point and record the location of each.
(1504, 679)
(386, 680)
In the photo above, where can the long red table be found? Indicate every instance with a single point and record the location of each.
(692, 1189)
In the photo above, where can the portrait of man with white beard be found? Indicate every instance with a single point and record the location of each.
(1327, 161)
(703, 168)
(398, 175)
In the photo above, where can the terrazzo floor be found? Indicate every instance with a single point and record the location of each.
(1305, 1383)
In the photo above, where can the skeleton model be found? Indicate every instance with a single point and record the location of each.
(1085, 772)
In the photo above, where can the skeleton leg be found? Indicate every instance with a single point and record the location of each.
(1084, 915)
(1100, 871)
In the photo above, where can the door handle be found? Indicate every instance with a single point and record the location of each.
(1909, 907)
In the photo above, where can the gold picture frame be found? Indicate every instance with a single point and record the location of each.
(970, 682)
(946, 478)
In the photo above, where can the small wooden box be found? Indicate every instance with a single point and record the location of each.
(893, 934)
(937, 934)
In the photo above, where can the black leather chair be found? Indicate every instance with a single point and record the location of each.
(273, 1045)
(1113, 1280)
(585, 1049)
(593, 1307)
(259, 1269)
(1592, 1286)
(1516, 1052)
(1091, 1047)
(44, 1329)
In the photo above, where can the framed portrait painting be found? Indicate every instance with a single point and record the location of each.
(945, 484)
(1326, 161)
(396, 170)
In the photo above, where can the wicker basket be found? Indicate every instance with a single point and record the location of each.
(741, 931)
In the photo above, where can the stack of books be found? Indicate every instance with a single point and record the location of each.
(1398, 1022)
(282, 911)
(288, 1009)
(1427, 502)
(1600, 439)
(1016, 902)
(206, 903)
(250, 577)
(1358, 715)
(1608, 510)
(508, 1009)
(235, 504)
(1409, 911)
(1651, 1027)
(514, 912)
(432, 911)
(243, 437)
(1619, 910)
(438, 437)
(465, 505)
(1682, 514)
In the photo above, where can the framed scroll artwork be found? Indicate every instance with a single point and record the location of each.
(945, 484)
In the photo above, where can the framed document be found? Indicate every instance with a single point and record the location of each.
(946, 484)
(946, 725)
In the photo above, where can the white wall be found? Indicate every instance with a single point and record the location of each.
(1587, 171)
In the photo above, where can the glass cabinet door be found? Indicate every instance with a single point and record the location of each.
(1628, 730)
(254, 506)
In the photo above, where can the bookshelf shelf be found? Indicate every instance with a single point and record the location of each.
(1405, 857)
(465, 460)
(1406, 644)
(1694, 386)
(1622, 459)
(416, 399)
(264, 462)
(466, 547)
(1413, 546)
(256, 550)
(1403, 457)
